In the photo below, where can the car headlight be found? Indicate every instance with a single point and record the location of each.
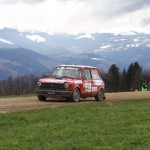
(66, 85)
(39, 83)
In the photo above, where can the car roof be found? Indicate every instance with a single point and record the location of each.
(77, 66)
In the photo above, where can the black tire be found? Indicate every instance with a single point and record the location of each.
(75, 97)
(41, 98)
(100, 95)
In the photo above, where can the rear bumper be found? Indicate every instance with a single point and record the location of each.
(53, 93)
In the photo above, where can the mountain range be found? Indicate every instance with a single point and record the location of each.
(38, 53)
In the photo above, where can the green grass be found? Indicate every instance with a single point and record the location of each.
(95, 126)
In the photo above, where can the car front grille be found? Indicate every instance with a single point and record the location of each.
(52, 86)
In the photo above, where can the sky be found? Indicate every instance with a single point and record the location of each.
(76, 16)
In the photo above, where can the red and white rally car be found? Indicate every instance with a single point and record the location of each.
(72, 82)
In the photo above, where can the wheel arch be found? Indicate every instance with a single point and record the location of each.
(101, 88)
(77, 87)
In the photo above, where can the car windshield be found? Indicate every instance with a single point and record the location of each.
(67, 72)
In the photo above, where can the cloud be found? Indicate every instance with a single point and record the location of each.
(145, 22)
(113, 7)
(131, 6)
(20, 1)
(75, 16)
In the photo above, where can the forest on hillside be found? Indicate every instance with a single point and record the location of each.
(129, 79)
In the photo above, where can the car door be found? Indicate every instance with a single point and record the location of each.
(87, 82)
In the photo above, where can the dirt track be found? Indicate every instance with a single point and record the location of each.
(22, 103)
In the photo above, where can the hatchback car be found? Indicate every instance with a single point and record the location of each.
(72, 82)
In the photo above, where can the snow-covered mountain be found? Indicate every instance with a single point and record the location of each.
(98, 49)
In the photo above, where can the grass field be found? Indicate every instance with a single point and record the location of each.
(123, 125)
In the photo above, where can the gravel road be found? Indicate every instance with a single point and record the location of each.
(23, 103)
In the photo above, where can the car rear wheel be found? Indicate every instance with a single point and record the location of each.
(75, 97)
(41, 98)
(100, 95)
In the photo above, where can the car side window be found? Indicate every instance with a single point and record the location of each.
(95, 74)
(87, 74)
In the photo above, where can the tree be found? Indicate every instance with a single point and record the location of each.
(114, 78)
(18, 86)
(133, 77)
(123, 83)
(137, 76)
(129, 77)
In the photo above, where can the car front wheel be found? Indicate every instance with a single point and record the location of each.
(75, 95)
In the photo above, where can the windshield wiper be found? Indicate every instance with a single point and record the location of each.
(60, 77)
(67, 77)
(55, 76)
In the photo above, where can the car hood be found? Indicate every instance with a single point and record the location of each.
(52, 80)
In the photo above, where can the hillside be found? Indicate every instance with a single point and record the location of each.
(20, 61)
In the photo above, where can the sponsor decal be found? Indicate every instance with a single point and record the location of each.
(94, 89)
(87, 87)
(78, 81)
(98, 82)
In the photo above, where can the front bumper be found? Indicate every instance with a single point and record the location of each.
(53, 93)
